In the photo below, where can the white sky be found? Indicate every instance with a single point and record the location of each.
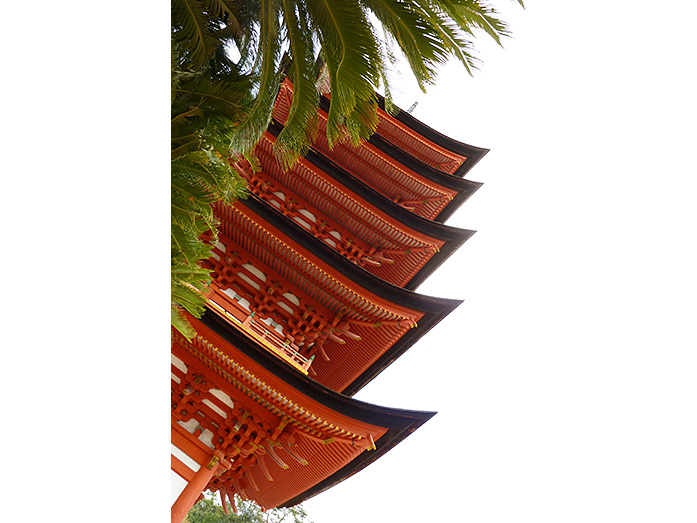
(565, 383)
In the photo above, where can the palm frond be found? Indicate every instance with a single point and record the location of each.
(389, 64)
(206, 177)
(414, 33)
(191, 31)
(475, 14)
(248, 133)
(451, 35)
(185, 296)
(222, 95)
(180, 323)
(224, 12)
(346, 35)
(336, 131)
(362, 122)
(301, 125)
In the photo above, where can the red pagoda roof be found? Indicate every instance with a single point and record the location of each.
(465, 188)
(280, 436)
(346, 214)
(413, 184)
(313, 299)
(426, 144)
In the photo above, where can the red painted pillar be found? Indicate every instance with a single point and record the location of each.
(193, 490)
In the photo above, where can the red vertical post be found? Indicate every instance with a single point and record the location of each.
(193, 490)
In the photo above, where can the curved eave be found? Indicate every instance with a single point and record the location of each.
(391, 418)
(399, 348)
(387, 442)
(370, 282)
(433, 309)
(398, 422)
(430, 173)
(435, 262)
(452, 236)
(464, 188)
(473, 154)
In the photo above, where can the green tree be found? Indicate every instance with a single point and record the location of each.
(230, 102)
(205, 109)
(209, 510)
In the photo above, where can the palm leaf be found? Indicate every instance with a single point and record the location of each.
(474, 14)
(346, 35)
(180, 323)
(187, 246)
(190, 29)
(413, 32)
(247, 134)
(362, 122)
(223, 11)
(221, 95)
(388, 58)
(451, 36)
(301, 125)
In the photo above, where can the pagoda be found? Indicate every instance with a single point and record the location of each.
(312, 296)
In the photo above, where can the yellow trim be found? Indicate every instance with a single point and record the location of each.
(272, 401)
(258, 338)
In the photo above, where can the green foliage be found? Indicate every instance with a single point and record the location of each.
(209, 510)
(205, 108)
(267, 61)
(357, 60)
(199, 27)
(295, 138)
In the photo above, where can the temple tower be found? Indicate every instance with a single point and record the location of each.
(313, 295)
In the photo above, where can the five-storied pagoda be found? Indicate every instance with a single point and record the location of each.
(312, 297)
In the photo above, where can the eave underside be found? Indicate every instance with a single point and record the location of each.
(360, 232)
(418, 186)
(254, 382)
(470, 153)
(465, 188)
(356, 221)
(390, 319)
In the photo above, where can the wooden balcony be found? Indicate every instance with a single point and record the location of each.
(240, 316)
